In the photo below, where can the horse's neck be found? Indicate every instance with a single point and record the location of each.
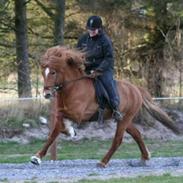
(83, 87)
(77, 100)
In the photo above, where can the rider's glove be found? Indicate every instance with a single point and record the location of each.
(93, 74)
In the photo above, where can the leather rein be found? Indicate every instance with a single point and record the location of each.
(58, 87)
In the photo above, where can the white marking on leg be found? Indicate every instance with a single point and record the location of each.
(149, 153)
(47, 70)
(36, 160)
(69, 128)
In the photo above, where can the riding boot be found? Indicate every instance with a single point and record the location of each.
(100, 117)
(117, 115)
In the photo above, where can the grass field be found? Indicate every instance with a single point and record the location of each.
(95, 149)
(11, 152)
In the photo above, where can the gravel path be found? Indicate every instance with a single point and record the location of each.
(74, 170)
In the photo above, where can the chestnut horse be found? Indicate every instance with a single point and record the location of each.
(74, 98)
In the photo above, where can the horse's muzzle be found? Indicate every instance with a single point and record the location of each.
(47, 94)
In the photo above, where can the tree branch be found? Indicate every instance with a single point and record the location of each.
(27, 2)
(46, 9)
(73, 13)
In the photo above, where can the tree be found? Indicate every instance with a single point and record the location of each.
(59, 22)
(56, 11)
(143, 34)
(24, 83)
(165, 23)
(158, 40)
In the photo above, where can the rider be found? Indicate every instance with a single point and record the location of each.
(100, 63)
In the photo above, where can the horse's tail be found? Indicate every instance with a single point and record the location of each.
(156, 112)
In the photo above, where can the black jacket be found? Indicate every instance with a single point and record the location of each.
(99, 52)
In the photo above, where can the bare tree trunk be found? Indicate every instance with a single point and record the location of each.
(59, 22)
(155, 73)
(24, 83)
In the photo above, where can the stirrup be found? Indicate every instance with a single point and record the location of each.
(117, 115)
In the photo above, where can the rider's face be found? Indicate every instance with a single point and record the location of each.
(93, 33)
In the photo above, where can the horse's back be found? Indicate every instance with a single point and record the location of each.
(130, 96)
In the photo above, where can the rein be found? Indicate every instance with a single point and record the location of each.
(62, 85)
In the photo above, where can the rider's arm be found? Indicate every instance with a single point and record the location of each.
(108, 59)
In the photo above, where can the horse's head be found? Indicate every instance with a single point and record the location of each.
(60, 64)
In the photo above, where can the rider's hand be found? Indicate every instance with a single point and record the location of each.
(93, 74)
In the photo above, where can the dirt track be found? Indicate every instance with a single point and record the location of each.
(74, 170)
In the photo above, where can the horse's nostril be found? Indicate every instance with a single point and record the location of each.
(47, 96)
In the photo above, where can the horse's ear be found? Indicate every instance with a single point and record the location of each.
(43, 62)
(70, 61)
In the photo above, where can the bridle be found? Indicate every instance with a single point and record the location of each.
(58, 87)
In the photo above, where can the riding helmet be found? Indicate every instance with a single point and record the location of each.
(94, 22)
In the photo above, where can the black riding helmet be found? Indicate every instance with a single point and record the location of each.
(94, 22)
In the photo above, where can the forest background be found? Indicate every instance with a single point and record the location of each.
(146, 35)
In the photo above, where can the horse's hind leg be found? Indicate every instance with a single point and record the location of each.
(121, 127)
(133, 131)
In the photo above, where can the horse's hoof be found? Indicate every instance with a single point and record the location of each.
(35, 160)
(101, 165)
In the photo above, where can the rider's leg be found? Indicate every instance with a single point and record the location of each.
(117, 115)
(100, 99)
(110, 86)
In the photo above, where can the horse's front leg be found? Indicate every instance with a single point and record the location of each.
(36, 159)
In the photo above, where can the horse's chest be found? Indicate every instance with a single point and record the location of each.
(74, 112)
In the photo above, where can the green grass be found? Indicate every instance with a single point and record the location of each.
(11, 152)
(149, 179)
